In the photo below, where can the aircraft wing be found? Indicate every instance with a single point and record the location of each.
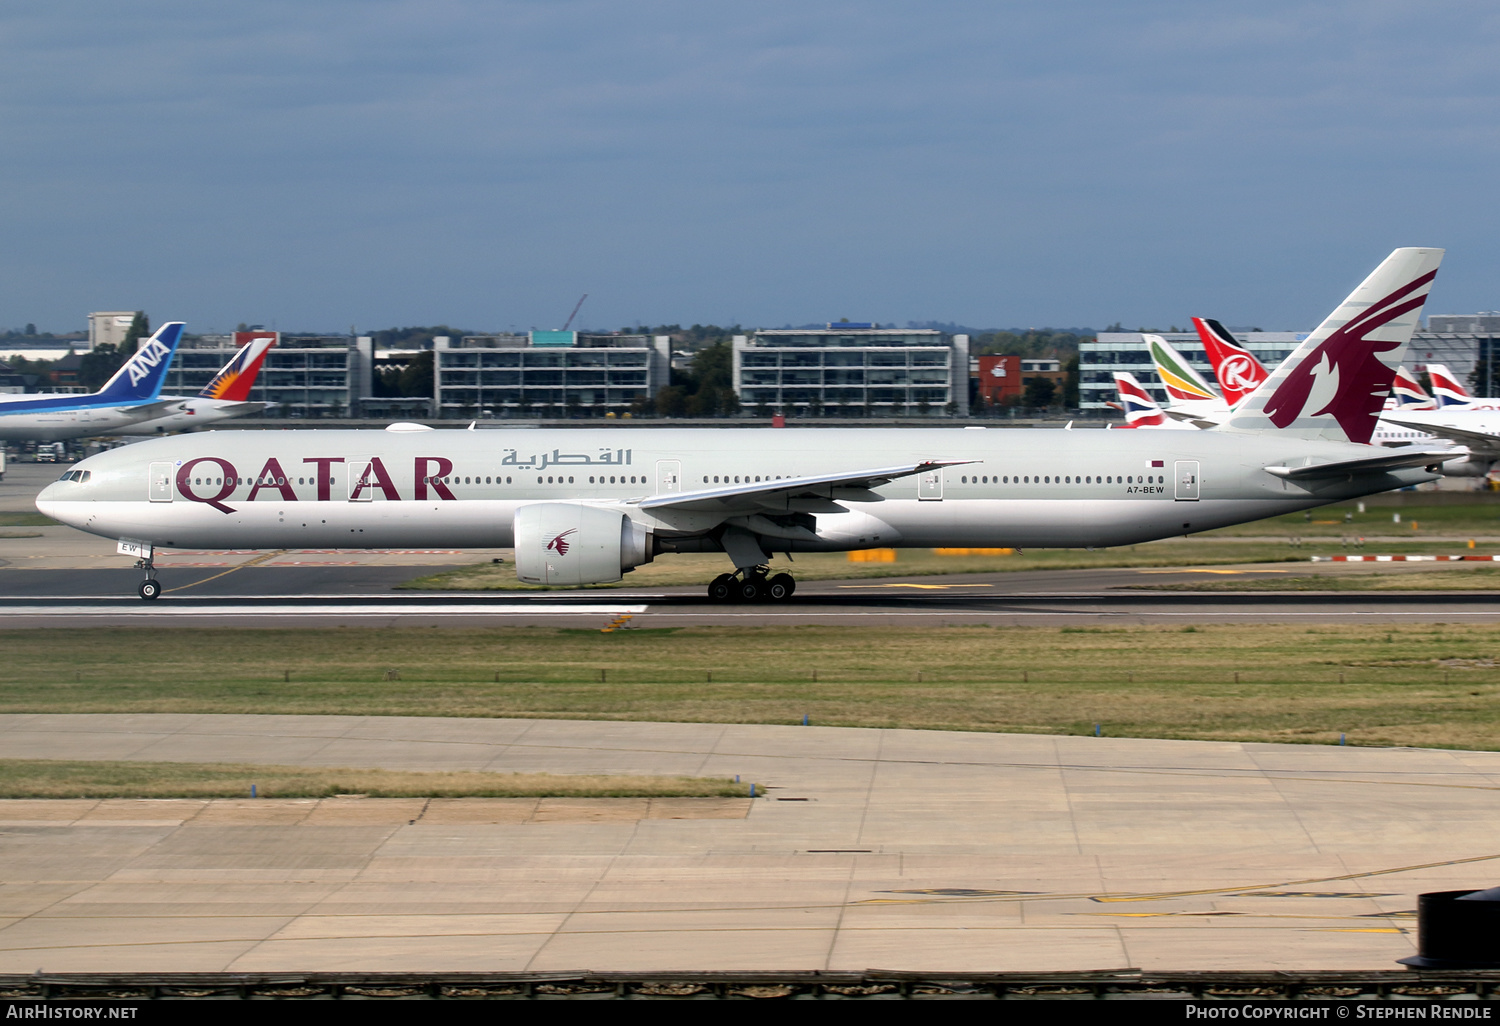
(1481, 441)
(793, 493)
(1387, 460)
(148, 411)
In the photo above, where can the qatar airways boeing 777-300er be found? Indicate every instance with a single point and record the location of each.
(584, 506)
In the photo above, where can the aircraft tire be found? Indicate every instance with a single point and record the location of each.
(149, 589)
(721, 588)
(780, 587)
(752, 589)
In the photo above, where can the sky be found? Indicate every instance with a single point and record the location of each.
(483, 163)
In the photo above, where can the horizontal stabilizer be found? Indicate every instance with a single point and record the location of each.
(1390, 459)
(775, 493)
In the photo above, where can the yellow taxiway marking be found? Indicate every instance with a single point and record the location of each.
(1214, 571)
(249, 562)
(927, 587)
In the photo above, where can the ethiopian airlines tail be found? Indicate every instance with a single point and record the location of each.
(234, 380)
(1141, 410)
(1334, 385)
(1237, 369)
(142, 376)
(1184, 383)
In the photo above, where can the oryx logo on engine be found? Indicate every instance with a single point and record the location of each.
(559, 544)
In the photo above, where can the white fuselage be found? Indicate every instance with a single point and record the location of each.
(460, 489)
(190, 413)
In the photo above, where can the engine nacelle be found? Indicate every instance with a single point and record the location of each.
(1467, 466)
(574, 543)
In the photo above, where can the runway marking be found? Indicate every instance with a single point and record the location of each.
(304, 611)
(249, 562)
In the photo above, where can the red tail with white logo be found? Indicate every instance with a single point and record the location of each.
(1237, 369)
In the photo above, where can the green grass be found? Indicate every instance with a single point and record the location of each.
(26, 520)
(1451, 514)
(48, 778)
(1433, 685)
(1454, 577)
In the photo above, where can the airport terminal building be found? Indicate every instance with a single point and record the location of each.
(852, 370)
(1098, 361)
(547, 374)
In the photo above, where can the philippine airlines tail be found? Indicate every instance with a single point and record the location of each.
(143, 374)
(234, 380)
(1237, 369)
(1334, 385)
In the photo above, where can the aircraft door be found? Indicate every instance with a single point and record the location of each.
(930, 484)
(1186, 474)
(668, 477)
(159, 487)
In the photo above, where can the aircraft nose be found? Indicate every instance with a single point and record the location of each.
(53, 502)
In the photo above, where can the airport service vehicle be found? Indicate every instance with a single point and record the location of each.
(586, 506)
(221, 399)
(128, 397)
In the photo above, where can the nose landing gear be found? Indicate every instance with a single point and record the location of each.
(150, 587)
(753, 584)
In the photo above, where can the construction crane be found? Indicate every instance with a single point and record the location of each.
(574, 313)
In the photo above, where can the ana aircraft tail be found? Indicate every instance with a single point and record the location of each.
(1447, 390)
(1335, 384)
(234, 380)
(1237, 369)
(1407, 393)
(142, 375)
(1184, 384)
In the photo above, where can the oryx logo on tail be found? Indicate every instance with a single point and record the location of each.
(1348, 373)
(1334, 385)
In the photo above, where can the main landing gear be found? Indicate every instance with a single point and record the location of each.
(754, 584)
(150, 587)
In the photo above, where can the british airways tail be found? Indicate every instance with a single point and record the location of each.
(1184, 383)
(1407, 393)
(144, 373)
(234, 380)
(1334, 385)
(1237, 369)
(1141, 410)
(1448, 392)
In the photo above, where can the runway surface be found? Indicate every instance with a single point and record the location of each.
(292, 596)
(874, 849)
